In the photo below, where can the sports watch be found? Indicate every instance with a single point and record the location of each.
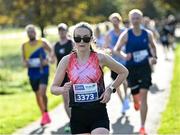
(113, 90)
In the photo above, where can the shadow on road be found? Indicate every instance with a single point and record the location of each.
(155, 89)
(38, 131)
(123, 126)
(60, 130)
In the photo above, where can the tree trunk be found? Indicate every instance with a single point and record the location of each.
(42, 31)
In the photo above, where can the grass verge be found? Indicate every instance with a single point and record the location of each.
(170, 122)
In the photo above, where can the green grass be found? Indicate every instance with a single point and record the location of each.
(17, 101)
(170, 123)
(11, 30)
(12, 74)
(17, 110)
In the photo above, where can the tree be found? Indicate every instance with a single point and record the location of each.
(41, 12)
(45, 12)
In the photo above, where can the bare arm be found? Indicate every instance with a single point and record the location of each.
(152, 44)
(120, 43)
(156, 34)
(122, 71)
(46, 45)
(59, 77)
(53, 57)
(24, 61)
(153, 60)
(48, 48)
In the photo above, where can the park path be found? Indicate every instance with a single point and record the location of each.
(129, 124)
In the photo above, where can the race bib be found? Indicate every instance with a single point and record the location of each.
(140, 55)
(85, 92)
(34, 62)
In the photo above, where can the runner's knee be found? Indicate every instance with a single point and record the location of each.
(135, 90)
(100, 131)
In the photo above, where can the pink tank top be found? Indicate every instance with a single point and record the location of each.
(87, 73)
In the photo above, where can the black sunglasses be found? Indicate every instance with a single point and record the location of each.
(85, 39)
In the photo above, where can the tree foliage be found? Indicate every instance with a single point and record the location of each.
(45, 12)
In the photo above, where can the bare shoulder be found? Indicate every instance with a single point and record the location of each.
(103, 58)
(65, 59)
(149, 32)
(63, 64)
(23, 45)
(45, 41)
(124, 35)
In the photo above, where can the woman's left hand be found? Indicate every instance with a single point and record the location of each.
(106, 96)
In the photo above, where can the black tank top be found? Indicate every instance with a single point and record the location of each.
(61, 50)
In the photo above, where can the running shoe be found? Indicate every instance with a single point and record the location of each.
(136, 100)
(123, 110)
(67, 129)
(45, 119)
(125, 106)
(142, 131)
(126, 103)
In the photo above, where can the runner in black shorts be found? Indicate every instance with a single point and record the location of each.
(62, 48)
(137, 42)
(88, 95)
(110, 42)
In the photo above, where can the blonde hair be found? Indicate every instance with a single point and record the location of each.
(137, 11)
(115, 15)
(30, 26)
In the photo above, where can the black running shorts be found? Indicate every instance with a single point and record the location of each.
(139, 77)
(36, 82)
(84, 120)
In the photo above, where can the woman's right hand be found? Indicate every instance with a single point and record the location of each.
(67, 86)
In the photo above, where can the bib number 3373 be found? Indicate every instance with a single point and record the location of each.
(85, 92)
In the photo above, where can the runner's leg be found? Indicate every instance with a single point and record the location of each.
(39, 100)
(42, 89)
(144, 106)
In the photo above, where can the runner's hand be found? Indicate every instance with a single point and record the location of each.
(52, 58)
(67, 86)
(153, 60)
(26, 64)
(106, 96)
(128, 56)
(45, 62)
(109, 51)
